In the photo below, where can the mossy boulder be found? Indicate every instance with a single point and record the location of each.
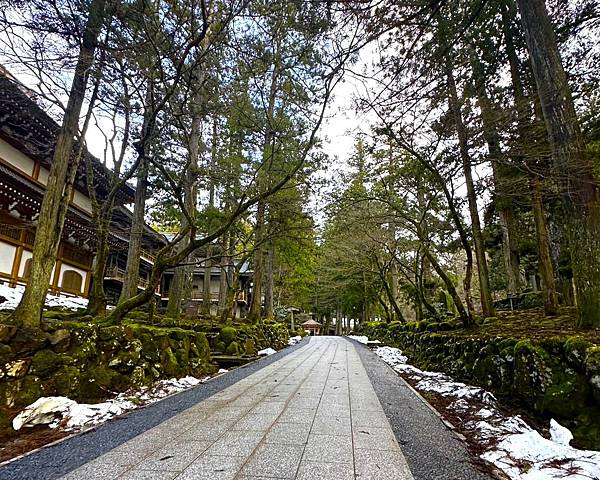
(233, 349)
(67, 381)
(533, 373)
(27, 342)
(564, 398)
(227, 335)
(17, 368)
(45, 362)
(575, 350)
(60, 340)
(22, 392)
(99, 381)
(250, 347)
(170, 364)
(106, 334)
(592, 368)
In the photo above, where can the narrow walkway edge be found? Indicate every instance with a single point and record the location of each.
(431, 449)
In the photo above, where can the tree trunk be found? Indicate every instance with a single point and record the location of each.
(523, 108)
(206, 283)
(223, 280)
(574, 170)
(482, 268)
(269, 282)
(450, 287)
(58, 189)
(134, 251)
(97, 297)
(257, 276)
(510, 250)
(544, 259)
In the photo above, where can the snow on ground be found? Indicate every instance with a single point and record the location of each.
(512, 445)
(294, 340)
(13, 297)
(266, 352)
(70, 415)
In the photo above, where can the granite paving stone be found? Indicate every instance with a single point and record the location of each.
(280, 461)
(326, 471)
(311, 414)
(329, 448)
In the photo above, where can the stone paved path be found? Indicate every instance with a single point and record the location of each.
(311, 415)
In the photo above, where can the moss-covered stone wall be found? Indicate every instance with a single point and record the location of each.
(557, 377)
(88, 362)
(248, 339)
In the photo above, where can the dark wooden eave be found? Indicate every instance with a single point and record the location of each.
(29, 129)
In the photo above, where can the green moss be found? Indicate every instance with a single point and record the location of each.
(97, 382)
(564, 399)
(486, 370)
(233, 349)
(46, 361)
(575, 350)
(67, 381)
(227, 335)
(532, 373)
(110, 333)
(592, 360)
(169, 363)
(201, 344)
(250, 347)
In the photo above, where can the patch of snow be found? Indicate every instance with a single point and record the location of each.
(512, 445)
(485, 413)
(267, 352)
(294, 340)
(13, 297)
(547, 460)
(43, 411)
(560, 434)
(391, 356)
(222, 370)
(359, 338)
(70, 415)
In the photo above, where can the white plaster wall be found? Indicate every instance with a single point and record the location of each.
(16, 158)
(7, 257)
(26, 255)
(43, 176)
(82, 201)
(65, 266)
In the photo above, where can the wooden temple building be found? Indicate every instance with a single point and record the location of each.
(27, 138)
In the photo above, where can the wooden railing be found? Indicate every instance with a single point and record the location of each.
(199, 295)
(146, 255)
(10, 231)
(120, 274)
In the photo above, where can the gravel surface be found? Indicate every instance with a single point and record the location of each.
(431, 449)
(57, 460)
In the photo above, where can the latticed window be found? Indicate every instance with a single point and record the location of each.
(72, 281)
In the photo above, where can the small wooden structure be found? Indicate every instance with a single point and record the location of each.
(312, 327)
